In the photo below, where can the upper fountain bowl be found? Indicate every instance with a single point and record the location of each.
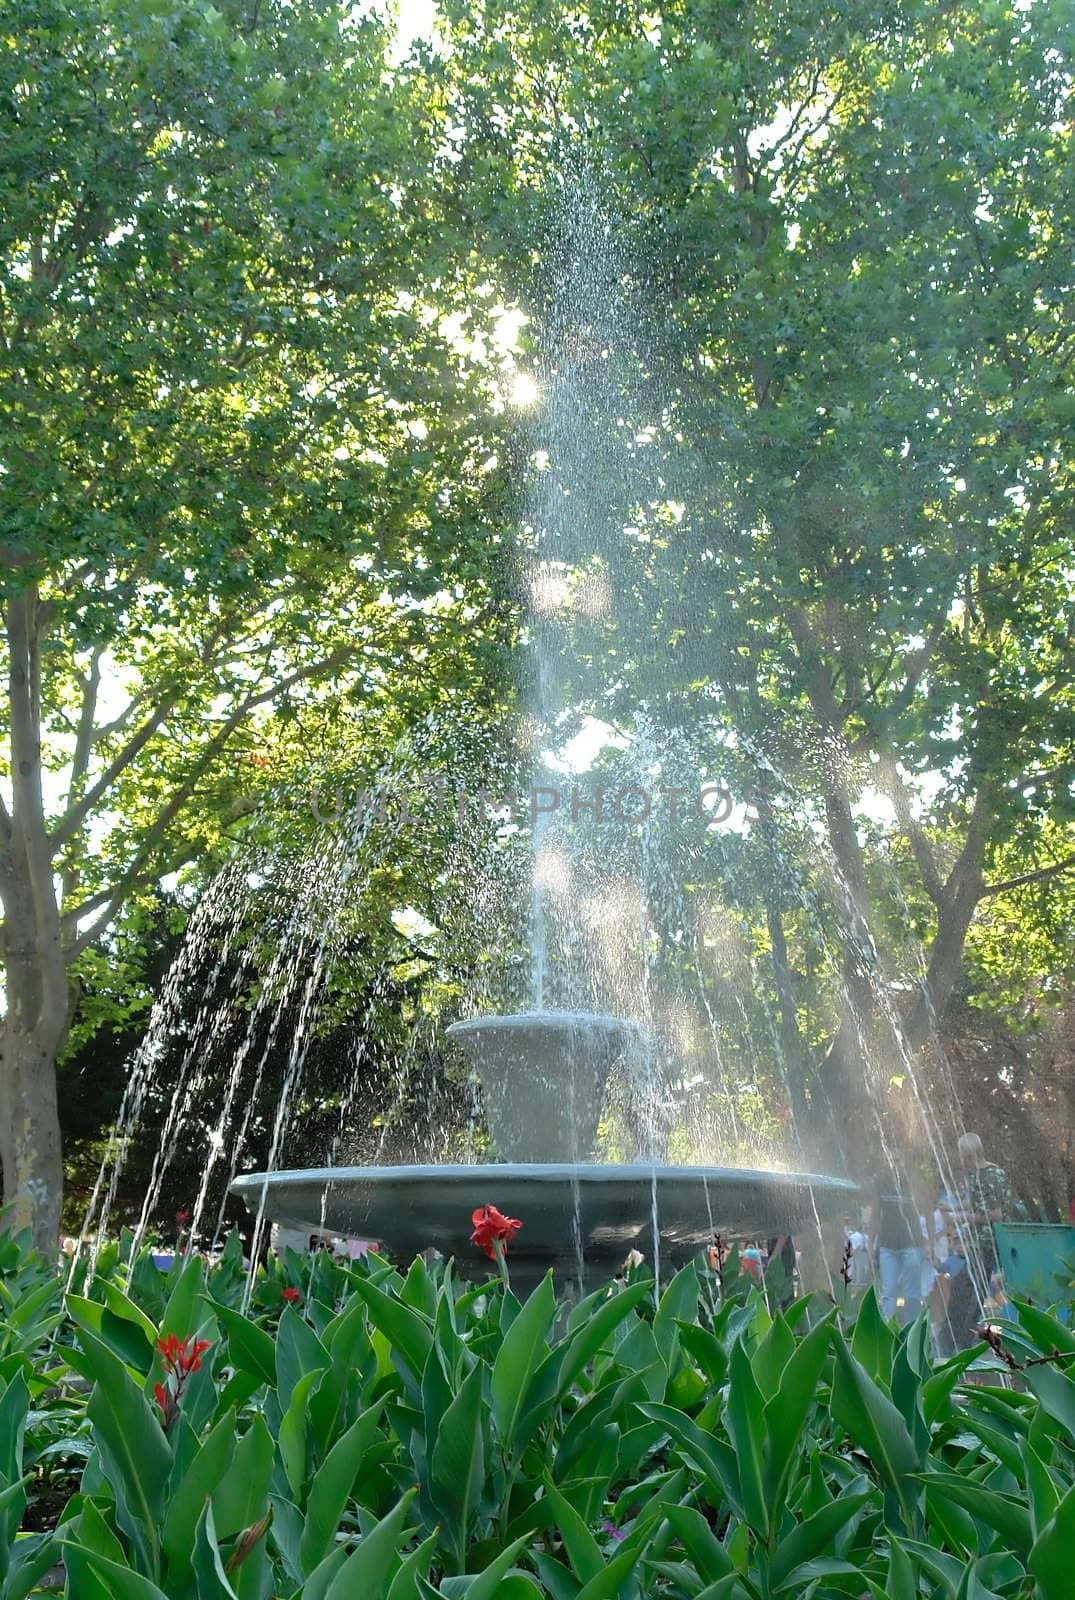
(543, 1076)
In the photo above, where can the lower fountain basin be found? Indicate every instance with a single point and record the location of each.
(581, 1220)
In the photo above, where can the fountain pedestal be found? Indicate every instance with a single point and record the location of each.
(544, 1075)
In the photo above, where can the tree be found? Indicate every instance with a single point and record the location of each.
(848, 234)
(240, 447)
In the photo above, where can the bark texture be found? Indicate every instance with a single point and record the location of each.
(35, 966)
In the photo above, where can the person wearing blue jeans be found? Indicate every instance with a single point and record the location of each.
(901, 1282)
(900, 1253)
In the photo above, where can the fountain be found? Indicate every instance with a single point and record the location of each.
(546, 1073)
(543, 1077)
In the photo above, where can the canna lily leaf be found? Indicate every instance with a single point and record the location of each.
(945, 1569)
(183, 1313)
(1044, 1495)
(901, 1583)
(812, 1538)
(772, 1356)
(1047, 1332)
(404, 1585)
(606, 1585)
(1051, 1558)
(678, 1575)
(331, 1487)
(711, 1457)
(242, 1496)
(711, 1560)
(649, 1531)
(938, 1387)
(565, 1365)
(518, 1359)
(730, 1588)
(188, 1502)
(418, 1291)
(484, 1585)
(367, 1567)
(1056, 1392)
(1004, 1446)
(95, 1535)
(250, 1348)
(457, 1465)
(1009, 1517)
(119, 1582)
(299, 1354)
(122, 1305)
(213, 1582)
(560, 1583)
(820, 1567)
(787, 1411)
(579, 1543)
(873, 1342)
(679, 1303)
(132, 1444)
(974, 1585)
(746, 1425)
(294, 1427)
(706, 1351)
(876, 1426)
(321, 1579)
(31, 1558)
(407, 1331)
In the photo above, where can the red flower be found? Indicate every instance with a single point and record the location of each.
(180, 1359)
(180, 1356)
(292, 1296)
(182, 1218)
(491, 1225)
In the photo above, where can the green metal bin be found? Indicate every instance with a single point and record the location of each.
(1037, 1260)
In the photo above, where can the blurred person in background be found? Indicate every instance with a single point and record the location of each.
(900, 1249)
(987, 1198)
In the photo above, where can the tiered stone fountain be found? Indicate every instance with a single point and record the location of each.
(544, 1077)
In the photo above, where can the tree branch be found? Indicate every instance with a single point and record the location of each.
(76, 815)
(113, 899)
(966, 876)
(1067, 865)
(80, 761)
(117, 725)
(914, 833)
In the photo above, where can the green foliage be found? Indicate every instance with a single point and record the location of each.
(517, 1450)
(244, 447)
(841, 509)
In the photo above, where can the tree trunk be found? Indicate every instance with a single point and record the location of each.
(790, 1042)
(845, 1073)
(963, 892)
(35, 968)
(33, 1031)
(30, 1136)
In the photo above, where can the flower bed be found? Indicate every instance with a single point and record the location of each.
(368, 1434)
